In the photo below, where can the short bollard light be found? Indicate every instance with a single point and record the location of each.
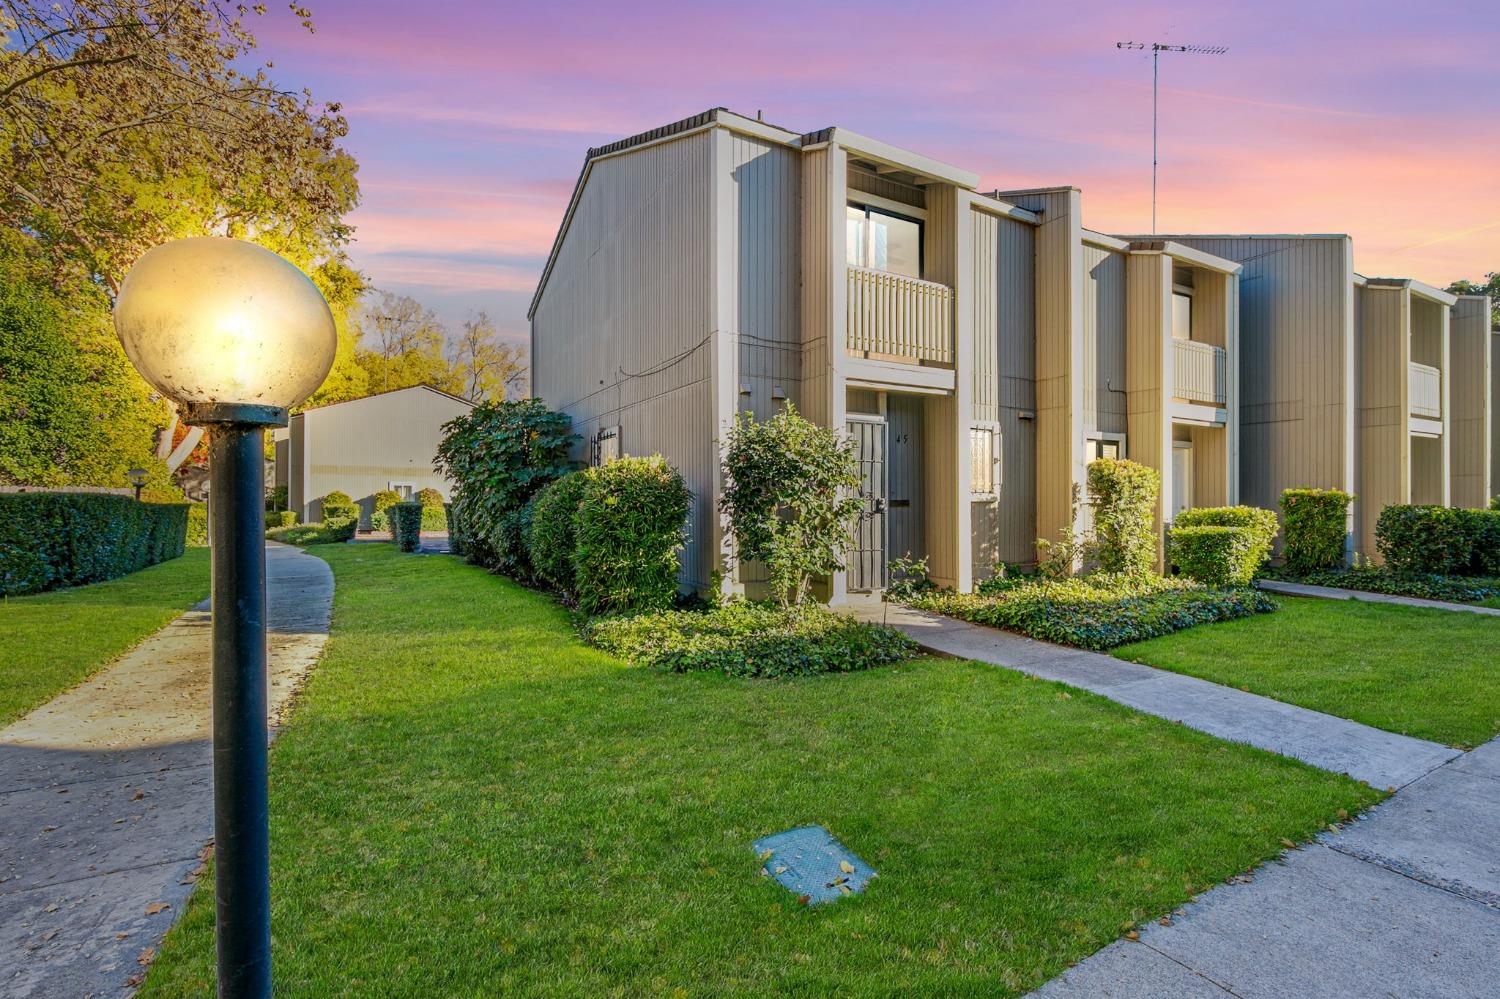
(137, 478)
(235, 335)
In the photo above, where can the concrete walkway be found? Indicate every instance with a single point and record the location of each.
(1335, 593)
(106, 798)
(1404, 902)
(1383, 759)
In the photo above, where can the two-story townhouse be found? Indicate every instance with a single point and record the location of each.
(980, 348)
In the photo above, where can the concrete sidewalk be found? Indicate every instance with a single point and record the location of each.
(106, 795)
(1335, 593)
(1383, 759)
(1404, 902)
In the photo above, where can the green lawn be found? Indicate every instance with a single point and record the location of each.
(468, 802)
(52, 641)
(1433, 674)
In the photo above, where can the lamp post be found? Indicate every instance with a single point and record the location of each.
(235, 335)
(137, 477)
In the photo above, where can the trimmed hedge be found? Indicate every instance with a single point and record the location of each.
(1422, 538)
(282, 518)
(1247, 560)
(434, 518)
(1215, 555)
(1100, 611)
(751, 640)
(458, 539)
(629, 530)
(50, 540)
(406, 525)
(552, 537)
(319, 532)
(1484, 541)
(1124, 499)
(1315, 527)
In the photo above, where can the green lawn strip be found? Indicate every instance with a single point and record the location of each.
(469, 802)
(1425, 673)
(52, 641)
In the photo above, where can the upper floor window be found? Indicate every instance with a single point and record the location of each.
(1182, 314)
(884, 240)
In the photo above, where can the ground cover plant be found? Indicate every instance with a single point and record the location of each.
(1375, 579)
(468, 801)
(1098, 611)
(319, 532)
(52, 641)
(1421, 672)
(752, 640)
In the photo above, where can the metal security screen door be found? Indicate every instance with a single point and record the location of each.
(867, 556)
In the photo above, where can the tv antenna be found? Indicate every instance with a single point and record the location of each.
(1156, 49)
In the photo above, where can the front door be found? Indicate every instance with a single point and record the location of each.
(904, 444)
(1182, 478)
(866, 563)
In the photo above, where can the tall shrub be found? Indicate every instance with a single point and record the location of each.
(406, 525)
(1483, 528)
(1261, 525)
(1124, 497)
(499, 455)
(1422, 538)
(791, 496)
(1314, 528)
(629, 530)
(552, 535)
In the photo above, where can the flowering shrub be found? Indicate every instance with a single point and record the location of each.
(1100, 611)
(751, 640)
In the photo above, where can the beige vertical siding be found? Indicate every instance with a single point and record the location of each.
(1059, 354)
(1104, 407)
(1296, 361)
(1004, 385)
(945, 420)
(365, 445)
(1494, 412)
(1385, 457)
(1149, 368)
(865, 182)
(1210, 464)
(623, 333)
(822, 302)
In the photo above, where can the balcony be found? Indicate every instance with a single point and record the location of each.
(1425, 389)
(894, 317)
(1198, 372)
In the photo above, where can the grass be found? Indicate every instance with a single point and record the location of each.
(52, 641)
(1426, 673)
(469, 802)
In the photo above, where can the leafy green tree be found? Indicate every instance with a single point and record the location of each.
(791, 496)
(486, 367)
(1490, 287)
(72, 409)
(401, 344)
(499, 455)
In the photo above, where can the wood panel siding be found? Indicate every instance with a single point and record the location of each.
(1468, 427)
(1494, 413)
(1104, 386)
(1004, 386)
(623, 330)
(1385, 454)
(823, 289)
(862, 181)
(1296, 361)
(1149, 370)
(1059, 353)
(945, 419)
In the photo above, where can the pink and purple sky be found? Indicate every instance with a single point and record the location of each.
(470, 119)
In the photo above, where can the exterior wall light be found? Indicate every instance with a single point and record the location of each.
(235, 335)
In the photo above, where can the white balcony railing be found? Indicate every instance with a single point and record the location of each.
(897, 317)
(1425, 387)
(1198, 372)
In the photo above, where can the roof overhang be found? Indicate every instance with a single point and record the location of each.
(892, 157)
(1186, 255)
(1417, 288)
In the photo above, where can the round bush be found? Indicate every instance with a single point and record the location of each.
(428, 496)
(1260, 523)
(1315, 527)
(629, 530)
(550, 539)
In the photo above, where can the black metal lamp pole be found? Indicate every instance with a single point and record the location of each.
(242, 836)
